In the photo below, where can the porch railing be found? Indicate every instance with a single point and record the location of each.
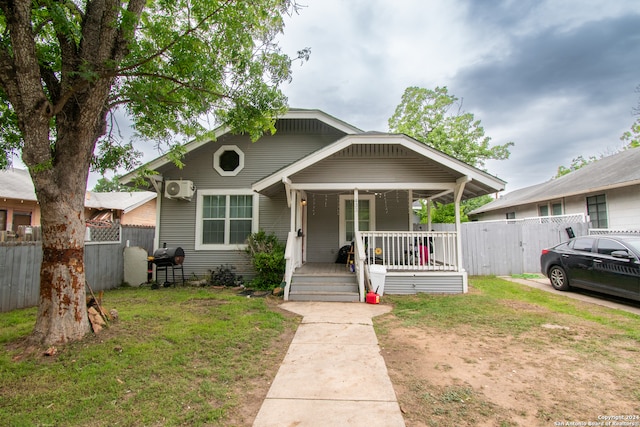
(291, 261)
(412, 250)
(362, 273)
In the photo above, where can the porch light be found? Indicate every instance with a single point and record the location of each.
(303, 202)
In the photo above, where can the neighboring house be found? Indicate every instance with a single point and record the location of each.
(128, 208)
(319, 184)
(19, 205)
(608, 191)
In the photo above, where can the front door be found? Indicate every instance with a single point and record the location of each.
(366, 216)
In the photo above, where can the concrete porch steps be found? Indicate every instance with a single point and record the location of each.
(329, 287)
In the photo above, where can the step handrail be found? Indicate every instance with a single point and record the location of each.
(361, 272)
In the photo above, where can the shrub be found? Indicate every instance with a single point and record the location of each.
(267, 257)
(225, 276)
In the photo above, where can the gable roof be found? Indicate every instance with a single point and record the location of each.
(618, 170)
(292, 113)
(124, 201)
(17, 184)
(480, 182)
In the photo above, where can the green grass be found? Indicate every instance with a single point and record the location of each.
(177, 356)
(508, 308)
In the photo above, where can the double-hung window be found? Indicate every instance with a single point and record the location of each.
(225, 219)
(597, 210)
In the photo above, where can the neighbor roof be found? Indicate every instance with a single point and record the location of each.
(618, 170)
(124, 201)
(17, 184)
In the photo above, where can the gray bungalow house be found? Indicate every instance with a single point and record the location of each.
(607, 192)
(320, 185)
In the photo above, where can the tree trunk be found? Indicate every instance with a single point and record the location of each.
(61, 110)
(62, 310)
(60, 186)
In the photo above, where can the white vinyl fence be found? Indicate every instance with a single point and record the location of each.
(503, 248)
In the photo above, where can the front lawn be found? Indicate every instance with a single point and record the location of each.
(177, 356)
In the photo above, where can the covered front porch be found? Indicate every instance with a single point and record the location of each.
(359, 193)
(414, 261)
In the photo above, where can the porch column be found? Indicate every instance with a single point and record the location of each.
(459, 190)
(410, 197)
(294, 210)
(356, 214)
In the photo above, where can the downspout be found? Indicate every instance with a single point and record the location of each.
(156, 182)
(460, 184)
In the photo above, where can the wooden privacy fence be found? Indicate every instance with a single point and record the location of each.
(104, 266)
(506, 248)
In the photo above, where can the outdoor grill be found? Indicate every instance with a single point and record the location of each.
(165, 258)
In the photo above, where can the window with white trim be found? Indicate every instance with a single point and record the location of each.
(228, 160)
(550, 209)
(597, 210)
(543, 210)
(224, 219)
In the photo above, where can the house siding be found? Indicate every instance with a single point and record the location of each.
(322, 216)
(623, 205)
(391, 214)
(20, 206)
(409, 283)
(373, 164)
(261, 158)
(142, 215)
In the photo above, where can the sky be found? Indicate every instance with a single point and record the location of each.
(556, 77)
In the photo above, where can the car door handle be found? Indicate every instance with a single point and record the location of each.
(565, 256)
(598, 261)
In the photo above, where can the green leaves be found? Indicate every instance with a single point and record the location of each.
(170, 64)
(431, 116)
(204, 57)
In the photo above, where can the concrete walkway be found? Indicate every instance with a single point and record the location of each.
(333, 373)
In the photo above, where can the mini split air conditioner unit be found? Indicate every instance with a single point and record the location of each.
(179, 189)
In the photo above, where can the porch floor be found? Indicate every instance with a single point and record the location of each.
(322, 268)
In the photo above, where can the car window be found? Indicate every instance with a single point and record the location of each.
(606, 246)
(583, 244)
(634, 243)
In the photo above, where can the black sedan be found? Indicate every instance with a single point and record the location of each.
(606, 263)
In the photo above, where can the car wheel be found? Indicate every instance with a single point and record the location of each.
(558, 278)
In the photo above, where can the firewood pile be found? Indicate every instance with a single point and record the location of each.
(99, 318)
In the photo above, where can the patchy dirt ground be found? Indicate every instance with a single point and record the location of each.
(562, 373)
(554, 375)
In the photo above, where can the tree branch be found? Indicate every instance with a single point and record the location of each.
(170, 45)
